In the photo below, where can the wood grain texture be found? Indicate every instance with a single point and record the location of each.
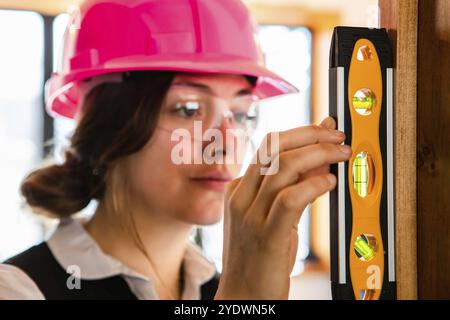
(400, 17)
(433, 131)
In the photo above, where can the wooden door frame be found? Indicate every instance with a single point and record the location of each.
(400, 17)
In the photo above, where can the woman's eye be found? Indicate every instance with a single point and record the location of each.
(187, 109)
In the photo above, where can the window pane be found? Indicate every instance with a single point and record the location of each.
(59, 27)
(21, 82)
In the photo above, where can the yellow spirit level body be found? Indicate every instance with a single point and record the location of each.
(361, 207)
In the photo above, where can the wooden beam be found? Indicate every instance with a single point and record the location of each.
(400, 17)
(433, 129)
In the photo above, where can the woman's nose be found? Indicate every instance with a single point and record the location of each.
(225, 128)
(226, 122)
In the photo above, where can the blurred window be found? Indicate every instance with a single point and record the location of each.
(21, 119)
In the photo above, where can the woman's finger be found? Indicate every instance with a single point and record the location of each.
(315, 172)
(287, 140)
(328, 123)
(294, 163)
(290, 203)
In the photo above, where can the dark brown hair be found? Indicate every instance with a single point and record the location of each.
(117, 120)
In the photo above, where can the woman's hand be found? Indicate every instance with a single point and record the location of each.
(262, 212)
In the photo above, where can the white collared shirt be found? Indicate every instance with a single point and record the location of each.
(71, 246)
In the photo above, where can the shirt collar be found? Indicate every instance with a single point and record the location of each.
(72, 245)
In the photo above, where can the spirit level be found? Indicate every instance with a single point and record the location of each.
(361, 206)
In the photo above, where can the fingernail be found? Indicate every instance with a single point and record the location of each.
(345, 149)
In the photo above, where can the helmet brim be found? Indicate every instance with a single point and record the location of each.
(268, 85)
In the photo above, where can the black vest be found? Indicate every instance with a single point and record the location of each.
(41, 266)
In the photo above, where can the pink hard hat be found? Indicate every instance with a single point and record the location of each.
(115, 36)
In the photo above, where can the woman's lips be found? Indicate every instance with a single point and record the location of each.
(214, 180)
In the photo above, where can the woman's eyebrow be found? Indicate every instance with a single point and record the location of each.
(244, 92)
(207, 89)
(195, 85)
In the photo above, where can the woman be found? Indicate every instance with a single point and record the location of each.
(139, 77)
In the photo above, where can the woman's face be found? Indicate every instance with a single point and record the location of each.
(193, 191)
